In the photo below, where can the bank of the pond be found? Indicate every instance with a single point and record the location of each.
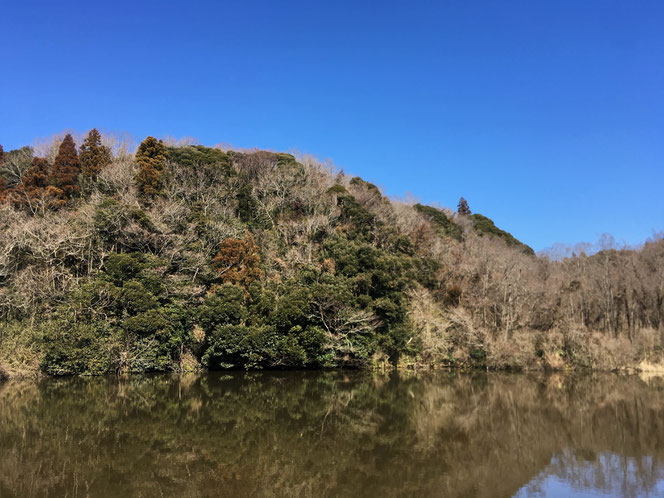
(644, 369)
(7, 373)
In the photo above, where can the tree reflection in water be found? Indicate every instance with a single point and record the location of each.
(331, 434)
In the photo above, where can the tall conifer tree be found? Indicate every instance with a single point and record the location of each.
(34, 191)
(463, 208)
(93, 155)
(151, 157)
(66, 169)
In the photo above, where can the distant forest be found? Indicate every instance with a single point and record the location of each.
(182, 257)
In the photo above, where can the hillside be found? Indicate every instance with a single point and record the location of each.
(187, 257)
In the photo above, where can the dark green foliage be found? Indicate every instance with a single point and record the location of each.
(150, 322)
(313, 343)
(124, 320)
(484, 226)
(247, 207)
(287, 160)
(357, 181)
(292, 309)
(374, 271)
(375, 280)
(198, 155)
(478, 355)
(121, 268)
(424, 272)
(135, 297)
(390, 239)
(397, 340)
(352, 212)
(256, 332)
(318, 318)
(223, 307)
(240, 346)
(444, 226)
(337, 189)
(76, 347)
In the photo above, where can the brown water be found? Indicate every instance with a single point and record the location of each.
(333, 434)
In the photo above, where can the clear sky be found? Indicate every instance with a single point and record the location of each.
(548, 116)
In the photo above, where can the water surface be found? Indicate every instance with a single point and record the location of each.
(333, 434)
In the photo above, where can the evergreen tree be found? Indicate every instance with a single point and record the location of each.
(463, 208)
(34, 191)
(150, 156)
(66, 169)
(37, 176)
(2, 155)
(93, 155)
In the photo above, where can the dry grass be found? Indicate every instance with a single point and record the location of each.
(19, 351)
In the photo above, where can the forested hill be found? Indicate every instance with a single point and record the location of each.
(188, 257)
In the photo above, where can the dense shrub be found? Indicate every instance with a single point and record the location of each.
(196, 156)
(485, 226)
(444, 225)
(76, 347)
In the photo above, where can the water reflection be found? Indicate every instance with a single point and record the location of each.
(606, 474)
(333, 434)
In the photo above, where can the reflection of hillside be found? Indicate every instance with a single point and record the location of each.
(313, 434)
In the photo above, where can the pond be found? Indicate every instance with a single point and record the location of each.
(333, 434)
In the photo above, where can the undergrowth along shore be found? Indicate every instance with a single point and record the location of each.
(185, 257)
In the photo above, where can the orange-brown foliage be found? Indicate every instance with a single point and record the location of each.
(66, 169)
(94, 156)
(238, 261)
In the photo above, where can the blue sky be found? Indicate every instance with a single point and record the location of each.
(547, 116)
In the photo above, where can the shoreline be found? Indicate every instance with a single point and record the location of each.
(643, 369)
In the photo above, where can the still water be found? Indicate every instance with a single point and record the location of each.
(333, 434)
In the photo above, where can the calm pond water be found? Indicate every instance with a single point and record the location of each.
(333, 434)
